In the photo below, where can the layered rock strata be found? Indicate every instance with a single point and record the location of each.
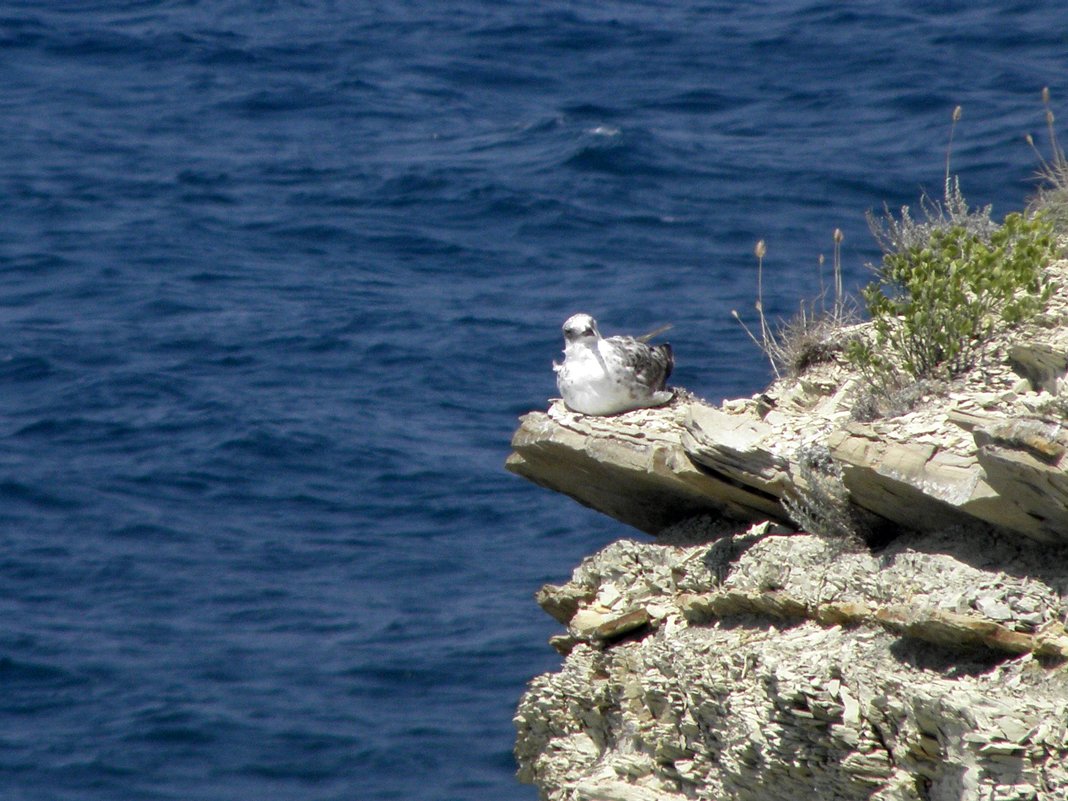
(766, 666)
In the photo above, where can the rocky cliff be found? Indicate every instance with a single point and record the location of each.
(831, 608)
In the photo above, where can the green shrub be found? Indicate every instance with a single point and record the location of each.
(936, 302)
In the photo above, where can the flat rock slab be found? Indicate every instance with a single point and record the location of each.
(1013, 477)
(632, 467)
(954, 463)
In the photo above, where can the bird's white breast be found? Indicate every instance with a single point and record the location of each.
(591, 382)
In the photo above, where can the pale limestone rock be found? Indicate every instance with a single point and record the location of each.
(765, 700)
(1012, 477)
(630, 466)
(1043, 364)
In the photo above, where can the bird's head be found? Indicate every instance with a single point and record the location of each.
(580, 328)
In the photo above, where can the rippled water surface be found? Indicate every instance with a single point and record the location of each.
(277, 278)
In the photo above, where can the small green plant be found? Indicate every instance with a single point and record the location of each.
(949, 279)
(935, 302)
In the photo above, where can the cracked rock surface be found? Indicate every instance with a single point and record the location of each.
(758, 695)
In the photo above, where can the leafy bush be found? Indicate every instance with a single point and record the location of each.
(936, 301)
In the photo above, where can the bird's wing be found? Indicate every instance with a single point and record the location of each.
(651, 366)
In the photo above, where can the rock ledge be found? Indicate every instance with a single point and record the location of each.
(989, 449)
(739, 657)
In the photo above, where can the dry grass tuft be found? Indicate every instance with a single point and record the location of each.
(823, 507)
(815, 334)
(888, 395)
(1052, 196)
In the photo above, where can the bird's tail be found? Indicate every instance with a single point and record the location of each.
(669, 360)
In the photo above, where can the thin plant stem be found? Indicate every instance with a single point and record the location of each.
(760, 251)
(838, 300)
(949, 148)
(736, 316)
(823, 289)
(1059, 161)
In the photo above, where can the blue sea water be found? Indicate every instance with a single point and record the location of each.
(276, 280)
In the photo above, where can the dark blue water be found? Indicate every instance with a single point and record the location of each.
(277, 278)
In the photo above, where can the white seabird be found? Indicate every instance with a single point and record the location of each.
(605, 376)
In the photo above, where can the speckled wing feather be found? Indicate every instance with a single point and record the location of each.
(650, 365)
